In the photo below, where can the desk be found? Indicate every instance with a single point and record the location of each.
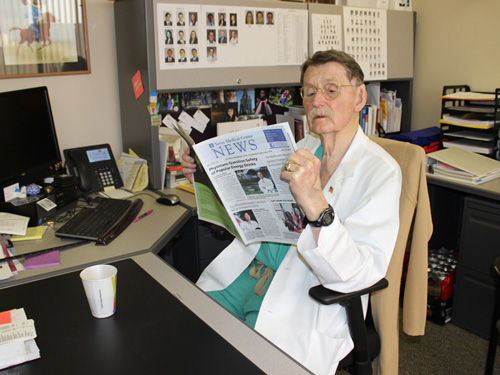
(467, 217)
(150, 234)
(198, 243)
(151, 331)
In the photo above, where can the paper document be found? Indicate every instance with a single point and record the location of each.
(17, 334)
(237, 184)
(33, 233)
(479, 120)
(468, 95)
(13, 224)
(134, 172)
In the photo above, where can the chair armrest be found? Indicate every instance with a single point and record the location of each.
(328, 297)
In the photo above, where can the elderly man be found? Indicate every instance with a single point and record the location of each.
(348, 188)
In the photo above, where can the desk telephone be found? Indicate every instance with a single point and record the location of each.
(94, 166)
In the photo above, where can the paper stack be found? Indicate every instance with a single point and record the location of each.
(461, 165)
(17, 338)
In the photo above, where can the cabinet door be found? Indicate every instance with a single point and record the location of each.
(474, 289)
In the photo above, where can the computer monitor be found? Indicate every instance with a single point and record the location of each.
(29, 142)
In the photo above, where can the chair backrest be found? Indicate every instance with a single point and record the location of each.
(415, 218)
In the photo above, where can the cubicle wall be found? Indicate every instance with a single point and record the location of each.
(141, 54)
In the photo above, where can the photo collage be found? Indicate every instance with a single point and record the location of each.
(195, 36)
(229, 105)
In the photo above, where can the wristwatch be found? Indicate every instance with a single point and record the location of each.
(325, 219)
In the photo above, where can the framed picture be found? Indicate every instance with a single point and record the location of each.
(43, 37)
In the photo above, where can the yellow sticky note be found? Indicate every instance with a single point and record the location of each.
(32, 233)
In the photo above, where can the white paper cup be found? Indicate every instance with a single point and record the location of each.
(99, 283)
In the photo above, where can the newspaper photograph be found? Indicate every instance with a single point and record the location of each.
(238, 186)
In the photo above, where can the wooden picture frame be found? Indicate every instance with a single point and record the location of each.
(43, 38)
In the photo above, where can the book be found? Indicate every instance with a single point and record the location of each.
(462, 165)
(237, 184)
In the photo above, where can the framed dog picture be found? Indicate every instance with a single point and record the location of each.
(43, 37)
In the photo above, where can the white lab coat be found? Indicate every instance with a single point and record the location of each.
(266, 185)
(353, 253)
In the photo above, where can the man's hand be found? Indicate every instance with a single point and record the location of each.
(303, 177)
(188, 164)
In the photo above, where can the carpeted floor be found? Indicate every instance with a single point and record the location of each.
(444, 350)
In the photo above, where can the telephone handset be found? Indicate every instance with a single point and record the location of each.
(94, 166)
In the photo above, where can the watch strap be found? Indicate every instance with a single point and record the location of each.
(325, 218)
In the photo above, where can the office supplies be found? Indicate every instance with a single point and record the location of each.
(43, 260)
(143, 216)
(462, 165)
(13, 224)
(17, 339)
(39, 252)
(469, 95)
(91, 222)
(470, 120)
(121, 224)
(134, 172)
(169, 200)
(33, 233)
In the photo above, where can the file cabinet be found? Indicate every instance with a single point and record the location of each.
(474, 287)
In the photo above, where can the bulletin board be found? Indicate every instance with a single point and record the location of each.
(223, 43)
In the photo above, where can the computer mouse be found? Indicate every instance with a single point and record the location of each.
(169, 200)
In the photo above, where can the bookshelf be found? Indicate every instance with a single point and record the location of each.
(471, 120)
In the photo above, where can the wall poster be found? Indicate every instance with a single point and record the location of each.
(365, 31)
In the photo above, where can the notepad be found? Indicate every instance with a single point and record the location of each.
(32, 233)
(43, 260)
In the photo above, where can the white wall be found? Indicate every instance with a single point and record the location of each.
(457, 42)
(85, 106)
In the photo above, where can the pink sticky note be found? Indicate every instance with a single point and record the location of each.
(42, 260)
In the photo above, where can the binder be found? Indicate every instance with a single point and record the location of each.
(461, 165)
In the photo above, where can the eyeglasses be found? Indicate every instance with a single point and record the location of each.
(331, 91)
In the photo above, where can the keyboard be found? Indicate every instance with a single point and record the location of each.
(102, 221)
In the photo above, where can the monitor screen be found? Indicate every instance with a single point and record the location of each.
(29, 141)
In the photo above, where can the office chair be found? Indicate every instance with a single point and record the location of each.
(415, 230)
(495, 324)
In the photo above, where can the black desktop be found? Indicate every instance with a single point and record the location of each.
(30, 143)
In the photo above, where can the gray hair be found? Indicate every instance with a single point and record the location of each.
(322, 57)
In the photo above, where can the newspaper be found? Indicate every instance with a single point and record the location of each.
(237, 184)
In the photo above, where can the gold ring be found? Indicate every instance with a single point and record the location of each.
(287, 165)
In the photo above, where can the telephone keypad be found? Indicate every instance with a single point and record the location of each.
(105, 177)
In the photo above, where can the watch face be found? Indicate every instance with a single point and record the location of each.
(328, 218)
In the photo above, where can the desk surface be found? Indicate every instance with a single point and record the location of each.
(151, 331)
(490, 189)
(147, 235)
